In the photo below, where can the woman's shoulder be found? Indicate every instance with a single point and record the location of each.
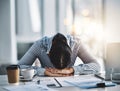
(44, 43)
(73, 38)
(44, 39)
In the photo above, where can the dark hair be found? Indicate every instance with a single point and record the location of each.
(60, 52)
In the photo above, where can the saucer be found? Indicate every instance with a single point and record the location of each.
(23, 79)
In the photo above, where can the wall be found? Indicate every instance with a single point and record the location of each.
(7, 32)
(112, 20)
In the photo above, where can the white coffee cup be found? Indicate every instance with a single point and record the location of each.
(27, 73)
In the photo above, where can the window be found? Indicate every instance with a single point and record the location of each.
(85, 19)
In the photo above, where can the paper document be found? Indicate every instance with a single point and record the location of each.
(80, 79)
(88, 85)
(32, 87)
(83, 78)
(46, 81)
(87, 82)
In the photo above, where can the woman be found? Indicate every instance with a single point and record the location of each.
(57, 56)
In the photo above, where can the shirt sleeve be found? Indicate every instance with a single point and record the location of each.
(90, 64)
(40, 71)
(36, 51)
(90, 68)
(30, 55)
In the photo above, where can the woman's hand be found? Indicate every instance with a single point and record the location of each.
(48, 73)
(58, 72)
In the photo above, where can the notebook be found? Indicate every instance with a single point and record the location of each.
(112, 60)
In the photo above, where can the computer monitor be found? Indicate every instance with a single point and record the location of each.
(112, 58)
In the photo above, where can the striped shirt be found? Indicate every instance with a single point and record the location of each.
(41, 48)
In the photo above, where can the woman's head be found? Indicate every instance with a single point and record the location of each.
(60, 52)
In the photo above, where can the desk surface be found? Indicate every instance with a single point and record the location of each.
(4, 82)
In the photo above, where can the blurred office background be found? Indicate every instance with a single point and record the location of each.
(22, 22)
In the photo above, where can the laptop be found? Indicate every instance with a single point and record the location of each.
(112, 60)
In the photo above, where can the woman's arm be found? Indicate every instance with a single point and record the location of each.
(90, 64)
(59, 72)
(36, 51)
(30, 55)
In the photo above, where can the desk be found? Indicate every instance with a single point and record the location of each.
(4, 82)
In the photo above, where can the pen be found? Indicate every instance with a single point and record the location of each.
(99, 76)
(58, 82)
